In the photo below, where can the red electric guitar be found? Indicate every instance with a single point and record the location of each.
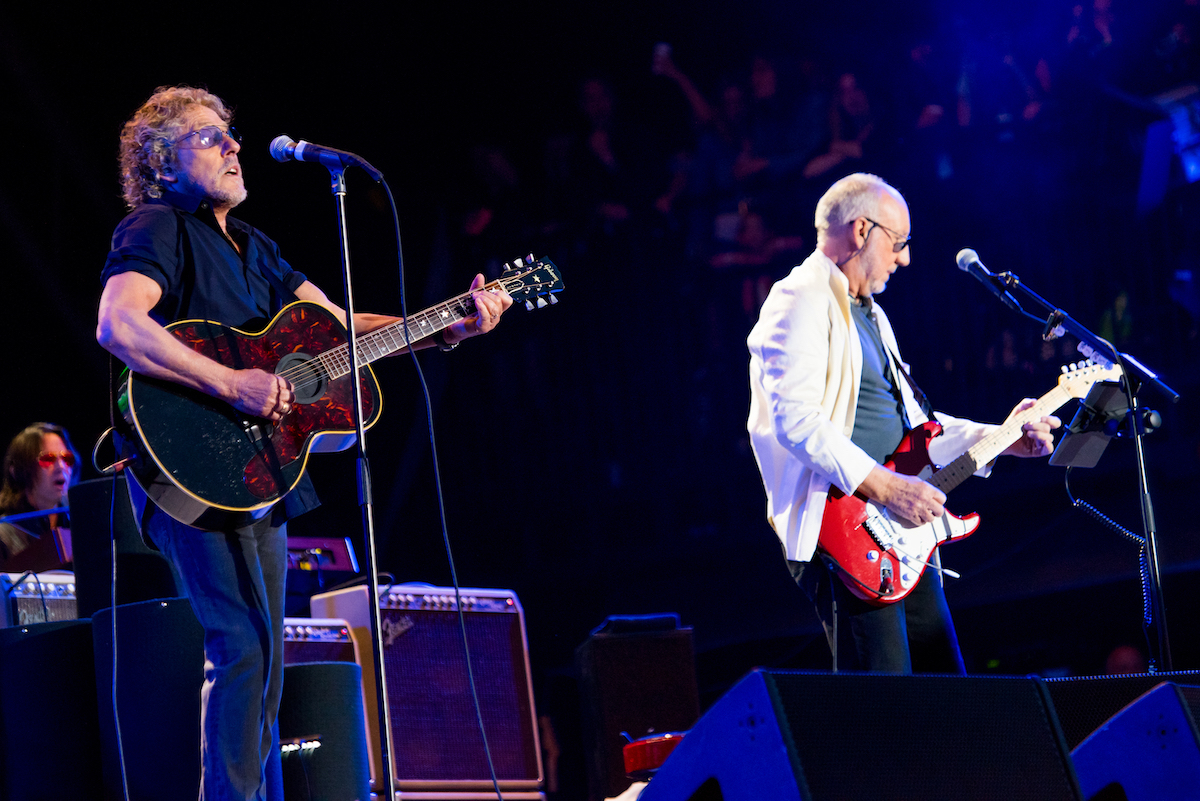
(882, 556)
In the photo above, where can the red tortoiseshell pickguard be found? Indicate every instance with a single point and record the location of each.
(304, 328)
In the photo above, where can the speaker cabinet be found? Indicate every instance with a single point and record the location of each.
(322, 706)
(100, 512)
(815, 736)
(1149, 751)
(638, 682)
(160, 667)
(1084, 703)
(49, 732)
(437, 746)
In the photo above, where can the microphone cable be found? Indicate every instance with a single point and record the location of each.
(437, 483)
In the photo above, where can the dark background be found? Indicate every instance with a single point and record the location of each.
(593, 454)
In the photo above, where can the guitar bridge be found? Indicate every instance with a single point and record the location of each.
(881, 530)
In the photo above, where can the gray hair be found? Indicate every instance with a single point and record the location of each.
(146, 138)
(854, 196)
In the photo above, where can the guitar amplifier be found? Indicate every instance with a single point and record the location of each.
(437, 748)
(37, 598)
(308, 639)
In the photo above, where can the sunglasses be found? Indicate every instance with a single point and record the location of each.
(206, 137)
(48, 458)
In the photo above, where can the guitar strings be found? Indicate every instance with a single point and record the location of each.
(319, 368)
(341, 352)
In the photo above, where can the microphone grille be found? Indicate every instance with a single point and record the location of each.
(965, 257)
(280, 150)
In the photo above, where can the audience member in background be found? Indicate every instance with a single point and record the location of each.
(39, 468)
(850, 124)
(787, 126)
(705, 177)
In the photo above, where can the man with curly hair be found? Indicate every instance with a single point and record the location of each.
(178, 255)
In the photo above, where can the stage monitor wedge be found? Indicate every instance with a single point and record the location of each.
(814, 736)
(1149, 751)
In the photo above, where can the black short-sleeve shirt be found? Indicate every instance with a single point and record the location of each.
(177, 242)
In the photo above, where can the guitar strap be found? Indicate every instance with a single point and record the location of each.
(894, 364)
(935, 559)
(898, 369)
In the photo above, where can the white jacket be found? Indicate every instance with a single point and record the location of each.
(805, 370)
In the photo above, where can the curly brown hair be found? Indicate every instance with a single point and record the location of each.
(146, 138)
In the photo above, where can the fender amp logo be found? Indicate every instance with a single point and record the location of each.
(392, 629)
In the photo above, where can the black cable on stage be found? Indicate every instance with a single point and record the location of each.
(437, 482)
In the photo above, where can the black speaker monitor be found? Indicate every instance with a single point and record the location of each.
(814, 736)
(637, 676)
(100, 511)
(1149, 751)
(160, 669)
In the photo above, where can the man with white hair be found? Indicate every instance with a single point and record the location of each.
(830, 400)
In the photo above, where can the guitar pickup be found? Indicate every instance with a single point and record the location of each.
(880, 529)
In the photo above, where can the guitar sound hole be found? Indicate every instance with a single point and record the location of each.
(308, 378)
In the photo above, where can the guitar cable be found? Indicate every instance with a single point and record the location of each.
(1109, 523)
(112, 531)
(437, 483)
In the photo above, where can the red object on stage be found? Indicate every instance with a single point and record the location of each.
(646, 755)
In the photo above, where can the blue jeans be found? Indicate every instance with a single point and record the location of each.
(235, 583)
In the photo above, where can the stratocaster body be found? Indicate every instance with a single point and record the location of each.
(881, 555)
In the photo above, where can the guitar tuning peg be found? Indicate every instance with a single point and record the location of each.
(542, 303)
(529, 305)
(529, 259)
(553, 299)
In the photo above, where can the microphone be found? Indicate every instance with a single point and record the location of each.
(968, 262)
(283, 148)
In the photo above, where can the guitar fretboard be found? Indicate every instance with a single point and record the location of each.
(995, 443)
(397, 336)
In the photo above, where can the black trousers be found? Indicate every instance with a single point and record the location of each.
(915, 635)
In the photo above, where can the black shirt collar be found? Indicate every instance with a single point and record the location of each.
(199, 207)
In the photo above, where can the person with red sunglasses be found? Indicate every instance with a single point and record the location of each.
(39, 468)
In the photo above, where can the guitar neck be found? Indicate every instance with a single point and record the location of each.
(399, 335)
(995, 443)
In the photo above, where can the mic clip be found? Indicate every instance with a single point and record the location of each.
(1054, 328)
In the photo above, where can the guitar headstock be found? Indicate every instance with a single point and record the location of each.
(1077, 379)
(532, 281)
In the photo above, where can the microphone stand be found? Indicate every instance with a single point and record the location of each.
(1059, 322)
(386, 782)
